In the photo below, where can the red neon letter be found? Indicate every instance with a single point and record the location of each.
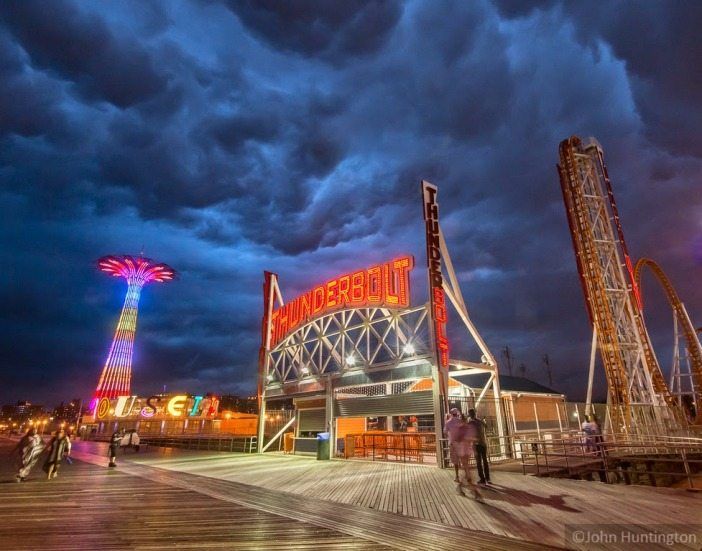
(358, 287)
(317, 300)
(330, 298)
(403, 266)
(374, 286)
(344, 284)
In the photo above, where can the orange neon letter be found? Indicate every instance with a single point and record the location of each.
(344, 284)
(317, 300)
(331, 296)
(358, 287)
(374, 286)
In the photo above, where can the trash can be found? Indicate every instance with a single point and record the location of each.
(323, 445)
(289, 442)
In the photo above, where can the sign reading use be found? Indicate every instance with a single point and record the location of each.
(179, 405)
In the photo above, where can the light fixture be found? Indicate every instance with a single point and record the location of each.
(305, 370)
(350, 360)
(409, 349)
(269, 377)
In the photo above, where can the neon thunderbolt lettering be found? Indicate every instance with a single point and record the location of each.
(436, 280)
(384, 285)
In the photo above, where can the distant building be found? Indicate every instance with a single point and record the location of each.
(22, 411)
(246, 404)
(68, 411)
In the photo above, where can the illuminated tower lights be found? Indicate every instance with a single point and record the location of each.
(116, 376)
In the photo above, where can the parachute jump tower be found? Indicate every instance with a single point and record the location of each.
(610, 283)
(116, 376)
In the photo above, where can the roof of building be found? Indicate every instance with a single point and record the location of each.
(508, 383)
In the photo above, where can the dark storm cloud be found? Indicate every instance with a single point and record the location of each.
(659, 41)
(81, 48)
(231, 137)
(27, 101)
(333, 31)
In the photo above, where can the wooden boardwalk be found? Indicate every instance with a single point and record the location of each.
(523, 508)
(138, 506)
(89, 508)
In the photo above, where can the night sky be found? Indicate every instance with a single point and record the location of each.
(226, 138)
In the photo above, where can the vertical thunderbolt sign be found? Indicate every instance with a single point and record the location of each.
(436, 282)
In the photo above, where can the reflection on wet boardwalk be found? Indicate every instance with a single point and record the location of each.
(142, 507)
(521, 507)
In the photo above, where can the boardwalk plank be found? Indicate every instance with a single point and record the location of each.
(525, 508)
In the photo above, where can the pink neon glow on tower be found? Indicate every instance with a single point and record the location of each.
(116, 377)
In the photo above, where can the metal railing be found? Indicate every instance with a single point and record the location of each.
(404, 447)
(499, 448)
(241, 444)
(628, 460)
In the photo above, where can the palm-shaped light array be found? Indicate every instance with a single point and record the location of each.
(116, 376)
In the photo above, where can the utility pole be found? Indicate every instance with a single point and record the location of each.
(507, 353)
(547, 363)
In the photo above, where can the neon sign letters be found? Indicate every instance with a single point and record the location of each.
(384, 285)
(180, 405)
(436, 280)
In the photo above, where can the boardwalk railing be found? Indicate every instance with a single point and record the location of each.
(242, 444)
(628, 460)
(499, 448)
(419, 447)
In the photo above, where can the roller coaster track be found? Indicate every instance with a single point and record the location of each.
(634, 377)
(693, 344)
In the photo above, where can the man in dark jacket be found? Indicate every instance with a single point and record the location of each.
(115, 441)
(480, 446)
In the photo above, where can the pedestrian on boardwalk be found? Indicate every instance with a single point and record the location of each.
(69, 446)
(28, 450)
(481, 458)
(57, 447)
(592, 433)
(451, 425)
(466, 437)
(115, 442)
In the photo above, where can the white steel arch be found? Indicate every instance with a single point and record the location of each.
(348, 340)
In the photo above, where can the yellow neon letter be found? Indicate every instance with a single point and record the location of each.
(176, 405)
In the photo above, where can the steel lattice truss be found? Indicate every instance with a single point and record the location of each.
(349, 340)
(633, 374)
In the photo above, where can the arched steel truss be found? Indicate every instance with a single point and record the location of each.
(694, 350)
(348, 340)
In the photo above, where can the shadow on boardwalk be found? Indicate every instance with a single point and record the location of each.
(522, 498)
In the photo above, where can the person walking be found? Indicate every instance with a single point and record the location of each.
(466, 437)
(592, 432)
(69, 446)
(28, 449)
(481, 458)
(451, 425)
(115, 442)
(57, 447)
